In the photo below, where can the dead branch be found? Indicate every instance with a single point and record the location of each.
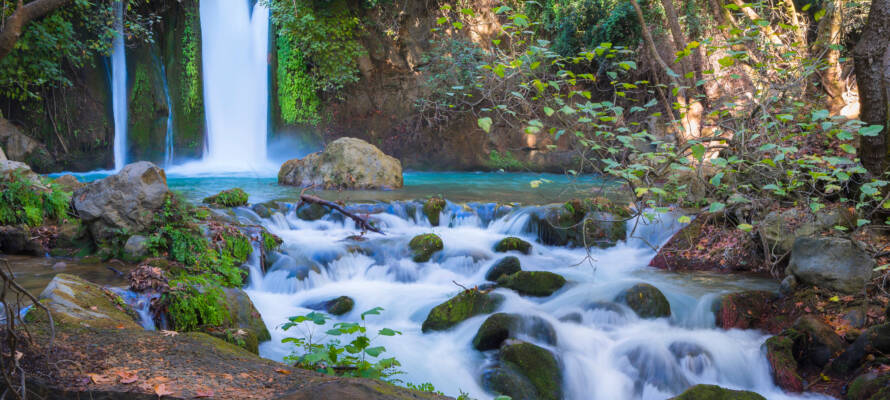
(362, 222)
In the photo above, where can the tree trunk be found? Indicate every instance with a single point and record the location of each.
(827, 40)
(872, 64)
(14, 25)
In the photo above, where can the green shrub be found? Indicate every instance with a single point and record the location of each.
(236, 197)
(24, 202)
(194, 302)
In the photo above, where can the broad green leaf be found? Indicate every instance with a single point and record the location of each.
(871, 130)
(485, 124)
(745, 227)
(716, 206)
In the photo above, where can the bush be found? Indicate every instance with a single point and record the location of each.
(236, 197)
(25, 202)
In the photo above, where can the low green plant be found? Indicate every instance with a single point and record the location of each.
(23, 201)
(194, 301)
(228, 198)
(344, 350)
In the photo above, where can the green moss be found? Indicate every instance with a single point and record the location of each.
(646, 300)
(712, 392)
(194, 302)
(423, 246)
(533, 283)
(869, 387)
(465, 305)
(513, 244)
(297, 96)
(432, 208)
(506, 161)
(236, 197)
(24, 202)
(538, 365)
(270, 241)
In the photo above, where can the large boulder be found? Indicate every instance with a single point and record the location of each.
(21, 147)
(536, 364)
(76, 302)
(869, 386)
(533, 283)
(646, 300)
(346, 163)
(830, 262)
(505, 379)
(423, 246)
(18, 240)
(9, 168)
(125, 201)
(502, 326)
(748, 310)
(245, 325)
(875, 339)
(513, 243)
(577, 223)
(712, 392)
(467, 304)
(779, 229)
(817, 342)
(506, 266)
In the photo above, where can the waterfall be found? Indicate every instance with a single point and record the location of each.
(168, 138)
(119, 87)
(234, 46)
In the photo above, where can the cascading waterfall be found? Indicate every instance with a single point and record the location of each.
(168, 137)
(119, 87)
(605, 350)
(234, 46)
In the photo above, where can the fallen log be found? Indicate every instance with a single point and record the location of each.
(363, 223)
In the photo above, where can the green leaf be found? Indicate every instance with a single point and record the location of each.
(388, 332)
(485, 124)
(871, 130)
(745, 227)
(375, 351)
(549, 111)
(727, 61)
(848, 148)
(373, 311)
(819, 15)
(684, 219)
(860, 222)
(698, 151)
(716, 206)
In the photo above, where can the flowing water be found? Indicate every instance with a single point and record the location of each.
(119, 87)
(605, 351)
(234, 50)
(168, 137)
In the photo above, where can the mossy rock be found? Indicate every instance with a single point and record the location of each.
(467, 304)
(538, 365)
(780, 355)
(311, 212)
(869, 386)
(506, 266)
(533, 283)
(508, 381)
(76, 302)
(502, 326)
(228, 198)
(432, 208)
(818, 342)
(513, 244)
(226, 313)
(646, 300)
(423, 246)
(713, 392)
(337, 306)
(577, 223)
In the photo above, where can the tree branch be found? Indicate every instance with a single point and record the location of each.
(14, 25)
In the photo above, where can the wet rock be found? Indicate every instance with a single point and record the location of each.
(533, 283)
(869, 386)
(506, 266)
(855, 318)
(508, 381)
(126, 201)
(561, 225)
(708, 243)
(74, 301)
(788, 285)
(818, 342)
(60, 266)
(780, 354)
(68, 183)
(536, 364)
(692, 356)
(830, 262)
(875, 339)
(423, 246)
(432, 208)
(713, 392)
(18, 240)
(245, 326)
(651, 367)
(646, 300)
(337, 306)
(513, 244)
(467, 304)
(311, 212)
(136, 248)
(346, 163)
(779, 229)
(502, 326)
(236, 197)
(21, 147)
(747, 310)
(572, 317)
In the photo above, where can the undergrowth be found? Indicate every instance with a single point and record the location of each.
(25, 202)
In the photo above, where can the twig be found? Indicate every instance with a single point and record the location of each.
(363, 223)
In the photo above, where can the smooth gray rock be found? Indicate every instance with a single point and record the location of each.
(136, 248)
(126, 201)
(8, 168)
(829, 262)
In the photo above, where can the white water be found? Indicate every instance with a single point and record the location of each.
(608, 355)
(119, 88)
(168, 137)
(234, 49)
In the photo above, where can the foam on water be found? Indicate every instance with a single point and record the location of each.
(605, 351)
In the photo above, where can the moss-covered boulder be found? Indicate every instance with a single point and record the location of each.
(748, 310)
(875, 339)
(536, 364)
(423, 246)
(533, 283)
(713, 392)
(346, 163)
(311, 212)
(467, 304)
(513, 244)
(578, 223)
(505, 379)
(236, 197)
(818, 343)
(780, 354)
(869, 386)
(226, 313)
(502, 326)
(506, 266)
(336, 306)
(646, 300)
(432, 208)
(76, 302)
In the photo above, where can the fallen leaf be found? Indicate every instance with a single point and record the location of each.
(100, 378)
(169, 333)
(201, 394)
(283, 371)
(128, 377)
(161, 390)
(94, 308)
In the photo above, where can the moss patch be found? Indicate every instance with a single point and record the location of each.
(467, 304)
(432, 208)
(236, 197)
(538, 365)
(533, 283)
(513, 244)
(423, 246)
